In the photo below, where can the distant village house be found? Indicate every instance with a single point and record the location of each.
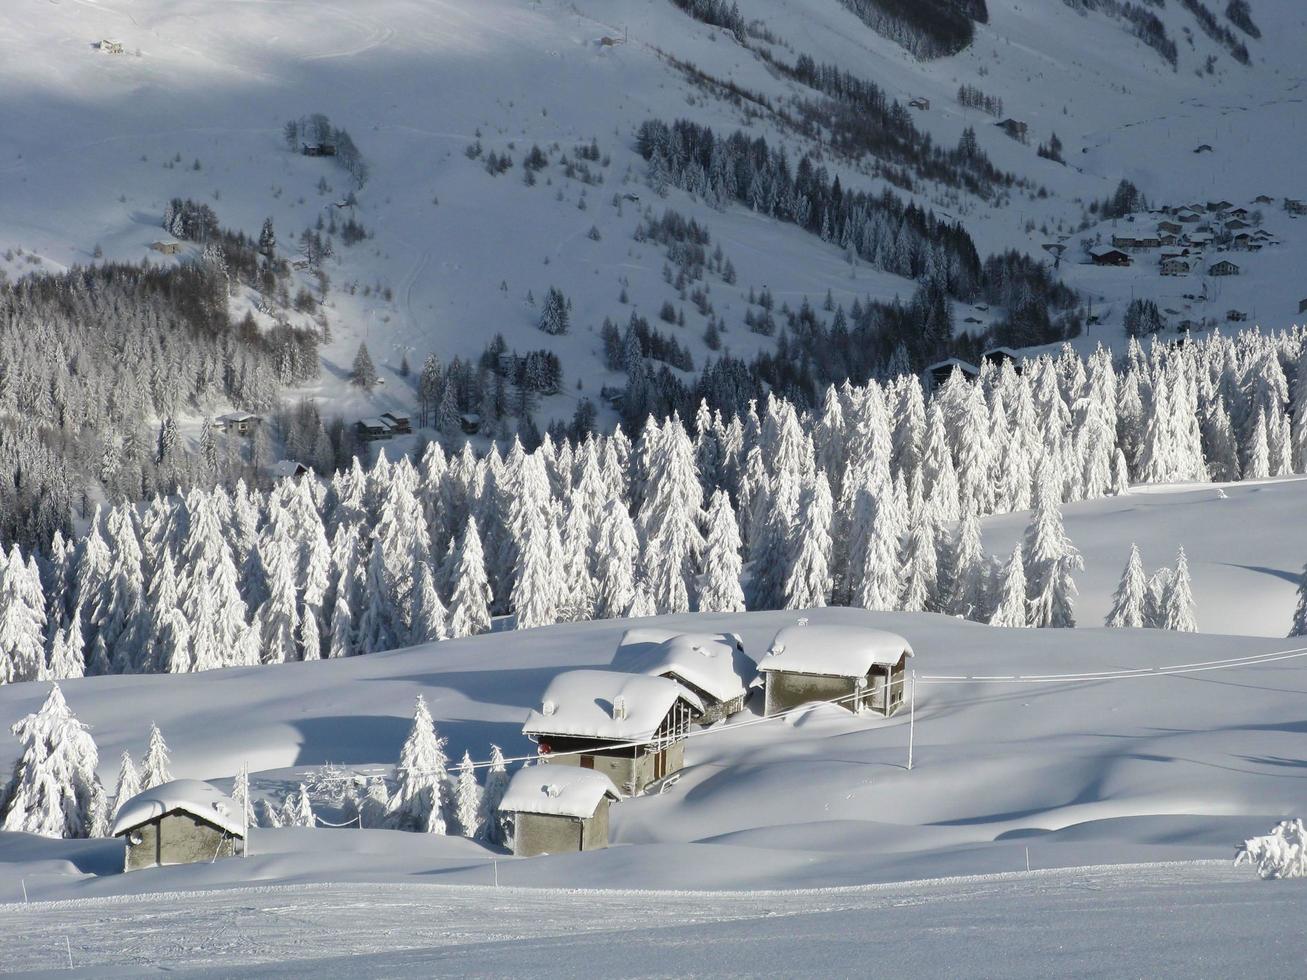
(1108, 255)
(1223, 268)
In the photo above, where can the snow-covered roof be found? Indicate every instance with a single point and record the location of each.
(373, 423)
(712, 662)
(199, 799)
(954, 362)
(562, 791)
(834, 650)
(287, 467)
(1098, 251)
(607, 705)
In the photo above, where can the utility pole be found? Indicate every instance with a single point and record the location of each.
(912, 717)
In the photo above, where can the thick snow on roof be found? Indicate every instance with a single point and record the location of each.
(835, 649)
(564, 791)
(605, 704)
(712, 662)
(191, 796)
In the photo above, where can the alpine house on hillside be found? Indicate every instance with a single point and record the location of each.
(558, 809)
(862, 668)
(627, 726)
(713, 666)
(181, 822)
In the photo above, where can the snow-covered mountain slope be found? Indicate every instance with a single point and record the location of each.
(96, 143)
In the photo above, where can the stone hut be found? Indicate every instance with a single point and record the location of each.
(627, 726)
(713, 666)
(182, 822)
(558, 809)
(863, 666)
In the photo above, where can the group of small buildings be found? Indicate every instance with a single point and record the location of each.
(605, 735)
(937, 374)
(382, 427)
(1182, 235)
(601, 735)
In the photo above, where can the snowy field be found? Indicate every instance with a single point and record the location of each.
(1192, 919)
(1246, 544)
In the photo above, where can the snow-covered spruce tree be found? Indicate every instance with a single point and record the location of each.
(54, 791)
(278, 617)
(154, 767)
(1257, 465)
(578, 588)
(364, 372)
(467, 799)
(618, 550)
(297, 810)
(469, 603)
(489, 820)
(428, 611)
(420, 791)
(536, 592)
(809, 582)
(719, 585)
(970, 571)
(919, 561)
(22, 622)
(129, 781)
(1011, 607)
(554, 316)
(66, 651)
(668, 519)
(1049, 560)
(210, 598)
(771, 546)
(1178, 601)
(1129, 602)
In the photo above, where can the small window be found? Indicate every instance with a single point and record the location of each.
(587, 762)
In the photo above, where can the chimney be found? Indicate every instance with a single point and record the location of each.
(619, 708)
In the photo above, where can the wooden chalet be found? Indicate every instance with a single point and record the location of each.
(941, 371)
(712, 666)
(861, 668)
(558, 809)
(1108, 255)
(180, 822)
(630, 727)
(1223, 268)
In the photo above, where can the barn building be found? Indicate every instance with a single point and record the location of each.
(627, 726)
(238, 423)
(558, 809)
(1004, 355)
(1108, 255)
(940, 372)
(712, 666)
(181, 822)
(808, 663)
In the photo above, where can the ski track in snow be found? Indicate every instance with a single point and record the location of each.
(1088, 921)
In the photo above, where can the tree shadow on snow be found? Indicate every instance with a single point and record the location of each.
(377, 739)
(1291, 577)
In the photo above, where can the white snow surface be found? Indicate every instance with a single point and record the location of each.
(605, 704)
(565, 791)
(192, 796)
(712, 662)
(836, 650)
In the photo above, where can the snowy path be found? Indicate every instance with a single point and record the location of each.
(1203, 919)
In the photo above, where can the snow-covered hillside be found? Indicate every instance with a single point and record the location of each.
(97, 143)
